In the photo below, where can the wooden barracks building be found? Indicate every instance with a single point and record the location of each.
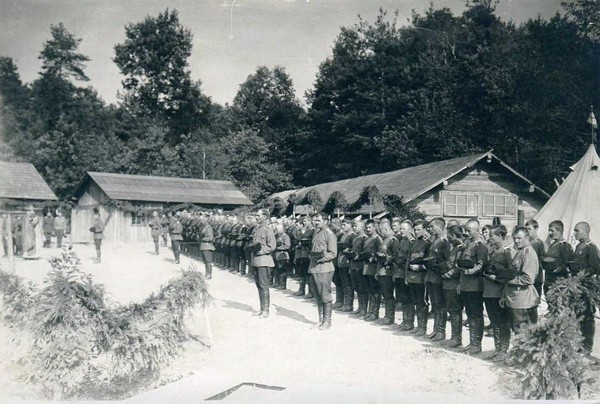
(479, 185)
(114, 195)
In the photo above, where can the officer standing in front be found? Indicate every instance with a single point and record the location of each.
(263, 244)
(322, 253)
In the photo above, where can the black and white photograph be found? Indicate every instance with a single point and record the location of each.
(299, 201)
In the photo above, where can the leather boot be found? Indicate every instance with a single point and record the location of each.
(348, 300)
(326, 317)
(504, 331)
(455, 340)
(409, 315)
(321, 308)
(283, 281)
(267, 303)
(440, 334)
(388, 318)
(436, 326)
(588, 329)
(261, 298)
(310, 294)
(422, 316)
(208, 271)
(363, 305)
(374, 308)
(339, 297)
(302, 289)
(475, 336)
(369, 307)
(496, 335)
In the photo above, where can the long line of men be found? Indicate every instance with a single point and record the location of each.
(407, 266)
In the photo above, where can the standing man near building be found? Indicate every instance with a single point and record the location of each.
(471, 263)
(282, 257)
(175, 230)
(59, 227)
(30, 222)
(263, 244)
(538, 246)
(587, 261)
(415, 276)
(356, 267)
(155, 229)
(438, 254)
(98, 233)
(344, 257)
(387, 261)
(322, 253)
(371, 246)
(5, 234)
(207, 247)
(48, 229)
(406, 238)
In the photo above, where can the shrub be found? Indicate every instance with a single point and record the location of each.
(82, 347)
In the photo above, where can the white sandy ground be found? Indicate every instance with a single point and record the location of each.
(353, 362)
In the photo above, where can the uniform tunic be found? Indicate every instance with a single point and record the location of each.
(519, 292)
(283, 246)
(555, 260)
(500, 259)
(390, 247)
(344, 249)
(371, 246)
(586, 259)
(207, 238)
(323, 251)
(419, 250)
(403, 256)
(439, 253)
(475, 252)
(264, 237)
(358, 243)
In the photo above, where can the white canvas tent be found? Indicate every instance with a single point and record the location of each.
(576, 200)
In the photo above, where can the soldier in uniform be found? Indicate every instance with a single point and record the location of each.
(282, 257)
(48, 228)
(164, 228)
(450, 284)
(406, 238)
(304, 234)
(336, 227)
(438, 255)
(557, 256)
(155, 229)
(97, 229)
(356, 268)
(499, 262)
(371, 246)
(471, 263)
(207, 247)
(175, 230)
(322, 254)
(586, 260)
(520, 296)
(344, 257)
(251, 223)
(387, 261)
(416, 270)
(532, 227)
(59, 227)
(263, 243)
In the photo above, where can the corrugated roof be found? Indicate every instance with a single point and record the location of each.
(408, 183)
(23, 181)
(166, 189)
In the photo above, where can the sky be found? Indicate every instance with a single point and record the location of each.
(231, 37)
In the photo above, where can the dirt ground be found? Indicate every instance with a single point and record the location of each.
(353, 362)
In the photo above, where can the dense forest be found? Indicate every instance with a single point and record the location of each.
(389, 96)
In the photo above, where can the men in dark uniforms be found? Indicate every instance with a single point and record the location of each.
(175, 230)
(438, 254)
(48, 228)
(586, 260)
(322, 253)
(356, 267)
(538, 246)
(387, 261)
(371, 246)
(471, 263)
(336, 227)
(557, 256)
(415, 276)
(282, 257)
(207, 247)
(402, 293)
(344, 257)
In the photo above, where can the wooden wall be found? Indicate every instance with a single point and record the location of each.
(482, 179)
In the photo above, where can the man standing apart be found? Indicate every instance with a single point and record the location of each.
(586, 260)
(175, 230)
(59, 227)
(155, 229)
(263, 244)
(322, 253)
(98, 233)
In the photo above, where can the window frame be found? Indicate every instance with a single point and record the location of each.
(467, 194)
(502, 194)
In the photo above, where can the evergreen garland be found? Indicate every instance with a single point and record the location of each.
(337, 200)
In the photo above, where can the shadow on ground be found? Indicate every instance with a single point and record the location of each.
(230, 304)
(291, 314)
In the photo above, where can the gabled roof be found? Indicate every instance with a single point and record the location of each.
(164, 189)
(409, 183)
(576, 200)
(23, 181)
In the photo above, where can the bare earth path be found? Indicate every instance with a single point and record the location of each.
(352, 362)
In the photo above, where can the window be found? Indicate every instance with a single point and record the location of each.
(461, 204)
(499, 205)
(138, 218)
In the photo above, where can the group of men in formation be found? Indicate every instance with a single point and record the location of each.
(405, 265)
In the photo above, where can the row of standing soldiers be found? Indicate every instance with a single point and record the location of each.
(409, 266)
